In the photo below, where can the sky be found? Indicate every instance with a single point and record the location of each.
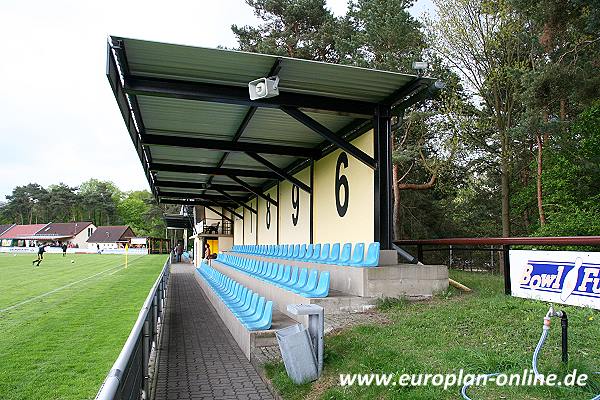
(59, 121)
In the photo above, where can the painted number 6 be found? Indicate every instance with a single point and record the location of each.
(341, 181)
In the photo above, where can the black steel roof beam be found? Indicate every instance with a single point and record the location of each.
(330, 136)
(426, 92)
(219, 93)
(220, 214)
(280, 172)
(183, 195)
(238, 202)
(199, 185)
(225, 145)
(232, 211)
(406, 90)
(198, 169)
(253, 190)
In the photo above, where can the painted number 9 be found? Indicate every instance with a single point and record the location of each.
(268, 216)
(295, 204)
(341, 181)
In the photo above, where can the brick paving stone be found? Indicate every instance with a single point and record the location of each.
(199, 359)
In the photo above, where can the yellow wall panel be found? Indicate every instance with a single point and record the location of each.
(350, 218)
(238, 228)
(267, 219)
(294, 211)
(250, 223)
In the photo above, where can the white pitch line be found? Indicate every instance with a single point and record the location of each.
(57, 289)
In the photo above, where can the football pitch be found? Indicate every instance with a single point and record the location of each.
(63, 324)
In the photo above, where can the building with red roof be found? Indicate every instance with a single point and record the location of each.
(110, 237)
(20, 235)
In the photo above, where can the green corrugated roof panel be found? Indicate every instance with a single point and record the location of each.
(238, 68)
(214, 120)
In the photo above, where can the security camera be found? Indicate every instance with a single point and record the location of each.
(264, 88)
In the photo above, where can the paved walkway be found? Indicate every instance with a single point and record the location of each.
(199, 359)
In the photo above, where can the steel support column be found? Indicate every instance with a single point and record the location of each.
(382, 132)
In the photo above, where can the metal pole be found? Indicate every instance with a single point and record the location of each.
(506, 262)
(420, 253)
(382, 131)
(450, 261)
(146, 356)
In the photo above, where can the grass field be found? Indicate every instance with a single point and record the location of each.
(481, 332)
(62, 325)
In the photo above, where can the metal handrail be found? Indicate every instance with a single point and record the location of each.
(129, 373)
(505, 242)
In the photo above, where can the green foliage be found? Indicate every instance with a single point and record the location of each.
(293, 28)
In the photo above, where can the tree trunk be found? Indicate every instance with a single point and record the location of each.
(505, 182)
(540, 204)
(397, 203)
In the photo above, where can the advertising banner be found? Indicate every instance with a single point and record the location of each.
(563, 277)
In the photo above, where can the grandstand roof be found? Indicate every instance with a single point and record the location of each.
(62, 229)
(201, 139)
(22, 231)
(111, 234)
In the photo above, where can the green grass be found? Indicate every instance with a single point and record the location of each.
(62, 345)
(481, 332)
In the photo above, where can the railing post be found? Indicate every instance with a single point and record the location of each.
(146, 356)
(420, 252)
(506, 264)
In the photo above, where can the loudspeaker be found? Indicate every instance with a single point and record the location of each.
(263, 88)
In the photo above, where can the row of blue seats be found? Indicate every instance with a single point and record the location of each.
(302, 281)
(253, 311)
(317, 253)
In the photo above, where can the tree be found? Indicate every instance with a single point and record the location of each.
(140, 211)
(294, 28)
(27, 204)
(62, 203)
(99, 200)
(483, 42)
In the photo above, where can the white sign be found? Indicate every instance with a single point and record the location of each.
(136, 240)
(565, 277)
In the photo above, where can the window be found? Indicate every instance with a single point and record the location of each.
(90, 231)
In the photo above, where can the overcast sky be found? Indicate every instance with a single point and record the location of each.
(59, 121)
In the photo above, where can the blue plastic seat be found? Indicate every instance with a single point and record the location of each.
(285, 276)
(345, 255)
(302, 278)
(302, 252)
(264, 322)
(293, 278)
(334, 255)
(358, 255)
(316, 253)
(322, 289)
(372, 258)
(310, 285)
(308, 253)
(324, 253)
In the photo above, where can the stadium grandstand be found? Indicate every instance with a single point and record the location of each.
(285, 165)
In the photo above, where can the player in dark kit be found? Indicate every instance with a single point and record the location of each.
(64, 249)
(40, 255)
